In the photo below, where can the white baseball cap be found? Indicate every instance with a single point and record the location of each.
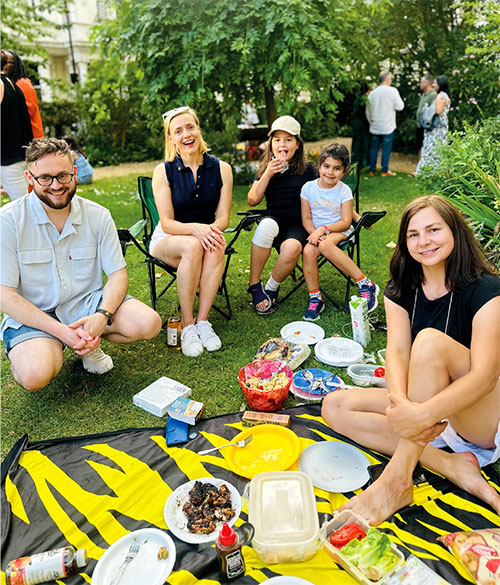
(287, 124)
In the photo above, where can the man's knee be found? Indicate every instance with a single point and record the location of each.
(34, 375)
(290, 250)
(151, 324)
(265, 233)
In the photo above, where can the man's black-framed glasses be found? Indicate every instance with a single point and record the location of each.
(46, 180)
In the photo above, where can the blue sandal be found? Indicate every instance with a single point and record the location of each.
(258, 295)
(273, 295)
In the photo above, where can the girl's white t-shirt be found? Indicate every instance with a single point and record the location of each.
(325, 204)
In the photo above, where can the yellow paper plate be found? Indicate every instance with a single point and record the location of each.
(273, 448)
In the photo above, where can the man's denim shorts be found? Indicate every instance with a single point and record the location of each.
(12, 336)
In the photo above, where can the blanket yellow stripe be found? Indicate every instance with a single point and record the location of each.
(14, 498)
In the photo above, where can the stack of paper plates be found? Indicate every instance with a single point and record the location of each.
(338, 351)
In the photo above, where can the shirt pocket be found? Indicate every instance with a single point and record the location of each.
(35, 267)
(84, 262)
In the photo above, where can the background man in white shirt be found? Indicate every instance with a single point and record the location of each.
(383, 103)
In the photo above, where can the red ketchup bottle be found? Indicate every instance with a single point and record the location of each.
(228, 546)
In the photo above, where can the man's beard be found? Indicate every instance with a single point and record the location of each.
(61, 204)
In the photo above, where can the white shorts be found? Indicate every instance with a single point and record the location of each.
(450, 438)
(158, 236)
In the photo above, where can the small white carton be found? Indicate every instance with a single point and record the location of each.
(159, 395)
(359, 319)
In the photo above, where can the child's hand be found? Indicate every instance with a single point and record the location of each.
(316, 236)
(275, 166)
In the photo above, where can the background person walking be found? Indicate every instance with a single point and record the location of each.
(383, 103)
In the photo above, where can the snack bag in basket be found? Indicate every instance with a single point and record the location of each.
(479, 551)
(279, 349)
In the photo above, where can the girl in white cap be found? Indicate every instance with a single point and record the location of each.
(280, 177)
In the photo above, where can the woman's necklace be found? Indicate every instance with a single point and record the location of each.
(447, 316)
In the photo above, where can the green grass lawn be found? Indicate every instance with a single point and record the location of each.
(77, 402)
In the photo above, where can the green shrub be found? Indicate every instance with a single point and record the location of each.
(468, 173)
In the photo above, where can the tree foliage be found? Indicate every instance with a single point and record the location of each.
(23, 24)
(218, 53)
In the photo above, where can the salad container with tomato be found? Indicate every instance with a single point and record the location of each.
(347, 531)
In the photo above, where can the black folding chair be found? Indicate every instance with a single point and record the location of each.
(349, 245)
(147, 224)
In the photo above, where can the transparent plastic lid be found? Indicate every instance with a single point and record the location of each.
(282, 507)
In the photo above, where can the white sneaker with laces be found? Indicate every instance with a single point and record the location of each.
(209, 338)
(190, 341)
(97, 362)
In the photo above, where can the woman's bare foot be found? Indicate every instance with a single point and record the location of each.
(388, 494)
(463, 470)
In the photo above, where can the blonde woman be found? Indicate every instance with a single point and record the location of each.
(192, 191)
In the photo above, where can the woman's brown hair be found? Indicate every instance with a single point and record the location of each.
(464, 265)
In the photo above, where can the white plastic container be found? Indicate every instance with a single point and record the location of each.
(362, 375)
(282, 509)
(359, 319)
(339, 520)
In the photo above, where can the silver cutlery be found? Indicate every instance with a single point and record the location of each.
(243, 443)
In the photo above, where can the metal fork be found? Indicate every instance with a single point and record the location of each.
(131, 554)
(243, 443)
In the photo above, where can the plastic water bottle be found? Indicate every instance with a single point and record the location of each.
(359, 319)
(46, 566)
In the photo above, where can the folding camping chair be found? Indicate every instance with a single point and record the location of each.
(147, 224)
(349, 245)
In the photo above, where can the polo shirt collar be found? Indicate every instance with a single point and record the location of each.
(206, 164)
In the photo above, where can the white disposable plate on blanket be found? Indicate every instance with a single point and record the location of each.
(145, 568)
(334, 466)
(176, 519)
(302, 332)
(339, 351)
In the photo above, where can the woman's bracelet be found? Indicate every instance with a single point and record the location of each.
(327, 231)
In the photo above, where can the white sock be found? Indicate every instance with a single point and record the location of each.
(316, 295)
(364, 282)
(272, 284)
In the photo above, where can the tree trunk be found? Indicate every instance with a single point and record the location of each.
(270, 106)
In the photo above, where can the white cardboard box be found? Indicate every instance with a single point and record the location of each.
(158, 396)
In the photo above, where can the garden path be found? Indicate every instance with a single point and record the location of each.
(402, 163)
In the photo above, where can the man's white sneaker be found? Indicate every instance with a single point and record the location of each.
(97, 362)
(209, 338)
(190, 341)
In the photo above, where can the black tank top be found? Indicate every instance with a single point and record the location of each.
(195, 202)
(16, 129)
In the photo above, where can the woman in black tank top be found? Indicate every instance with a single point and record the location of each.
(442, 365)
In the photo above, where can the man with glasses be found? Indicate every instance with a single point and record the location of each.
(55, 247)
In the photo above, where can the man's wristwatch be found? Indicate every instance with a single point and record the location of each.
(107, 314)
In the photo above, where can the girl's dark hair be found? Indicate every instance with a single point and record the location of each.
(442, 82)
(19, 70)
(73, 144)
(464, 265)
(363, 88)
(336, 151)
(297, 166)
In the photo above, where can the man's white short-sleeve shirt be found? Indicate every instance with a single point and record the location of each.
(59, 272)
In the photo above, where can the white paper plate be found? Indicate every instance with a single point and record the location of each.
(285, 580)
(145, 568)
(335, 467)
(176, 519)
(302, 332)
(339, 351)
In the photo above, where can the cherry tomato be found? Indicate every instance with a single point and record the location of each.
(379, 373)
(348, 532)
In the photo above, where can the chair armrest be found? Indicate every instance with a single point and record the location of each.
(137, 228)
(369, 218)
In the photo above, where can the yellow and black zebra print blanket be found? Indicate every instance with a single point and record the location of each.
(90, 491)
